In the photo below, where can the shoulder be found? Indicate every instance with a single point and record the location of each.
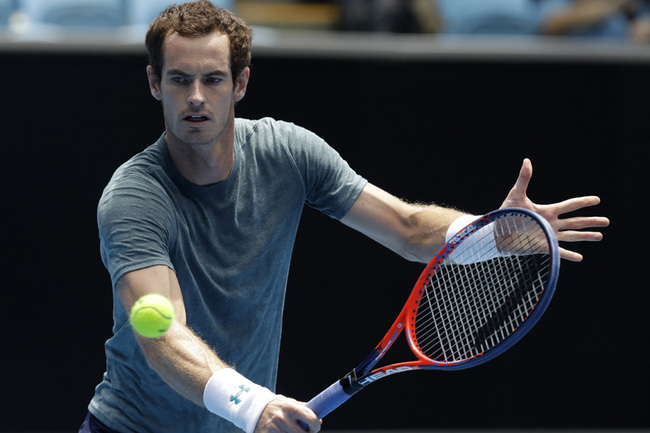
(138, 180)
(279, 142)
(271, 131)
(145, 168)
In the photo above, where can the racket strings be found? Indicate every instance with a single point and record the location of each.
(483, 291)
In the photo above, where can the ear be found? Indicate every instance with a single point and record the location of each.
(241, 84)
(154, 83)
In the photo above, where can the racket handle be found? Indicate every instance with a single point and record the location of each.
(327, 401)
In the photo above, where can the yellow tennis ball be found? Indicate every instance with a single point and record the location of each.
(151, 315)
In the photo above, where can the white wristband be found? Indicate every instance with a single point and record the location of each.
(458, 224)
(482, 241)
(235, 398)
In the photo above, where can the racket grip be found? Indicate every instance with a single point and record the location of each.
(327, 401)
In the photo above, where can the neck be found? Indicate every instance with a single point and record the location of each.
(203, 164)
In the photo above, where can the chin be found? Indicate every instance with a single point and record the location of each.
(197, 139)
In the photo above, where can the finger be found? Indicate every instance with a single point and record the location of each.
(571, 256)
(575, 236)
(576, 203)
(578, 223)
(521, 185)
(307, 426)
(307, 420)
(314, 427)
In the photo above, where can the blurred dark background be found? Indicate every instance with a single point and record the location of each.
(451, 131)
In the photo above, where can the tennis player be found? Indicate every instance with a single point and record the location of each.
(207, 216)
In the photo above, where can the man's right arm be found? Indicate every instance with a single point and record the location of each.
(186, 363)
(180, 357)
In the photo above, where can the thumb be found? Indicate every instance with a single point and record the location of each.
(517, 195)
(521, 186)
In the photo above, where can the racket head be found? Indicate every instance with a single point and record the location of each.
(485, 289)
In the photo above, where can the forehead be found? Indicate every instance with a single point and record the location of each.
(209, 52)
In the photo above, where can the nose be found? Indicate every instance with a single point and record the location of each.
(195, 97)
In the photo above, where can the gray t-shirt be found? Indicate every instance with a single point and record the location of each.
(230, 246)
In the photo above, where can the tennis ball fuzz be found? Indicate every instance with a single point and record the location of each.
(151, 315)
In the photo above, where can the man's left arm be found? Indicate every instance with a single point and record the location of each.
(414, 231)
(417, 232)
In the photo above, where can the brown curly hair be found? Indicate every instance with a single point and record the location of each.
(199, 18)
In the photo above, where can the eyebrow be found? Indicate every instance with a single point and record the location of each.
(177, 72)
(185, 74)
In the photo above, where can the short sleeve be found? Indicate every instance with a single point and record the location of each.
(331, 185)
(135, 225)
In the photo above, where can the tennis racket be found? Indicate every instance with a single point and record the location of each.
(483, 291)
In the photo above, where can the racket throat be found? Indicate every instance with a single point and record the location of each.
(350, 383)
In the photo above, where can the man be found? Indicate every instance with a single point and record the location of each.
(615, 19)
(207, 217)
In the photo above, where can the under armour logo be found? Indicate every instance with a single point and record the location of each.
(236, 398)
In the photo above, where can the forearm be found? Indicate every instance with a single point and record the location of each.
(182, 360)
(414, 231)
(195, 371)
(428, 228)
(179, 356)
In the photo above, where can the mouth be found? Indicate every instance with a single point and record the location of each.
(196, 118)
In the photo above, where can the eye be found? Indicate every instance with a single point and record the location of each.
(179, 80)
(213, 80)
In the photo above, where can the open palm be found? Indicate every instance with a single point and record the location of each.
(566, 229)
